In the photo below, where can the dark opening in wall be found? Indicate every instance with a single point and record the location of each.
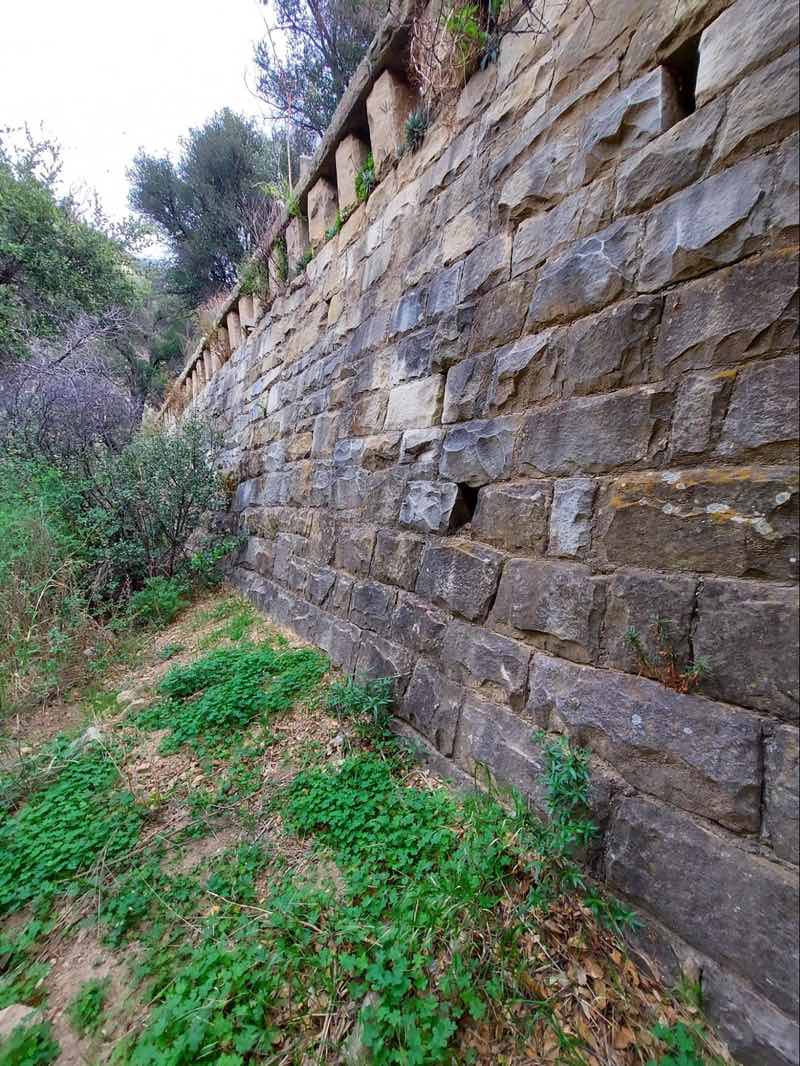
(683, 65)
(464, 509)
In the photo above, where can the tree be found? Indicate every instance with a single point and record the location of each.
(54, 266)
(325, 40)
(212, 206)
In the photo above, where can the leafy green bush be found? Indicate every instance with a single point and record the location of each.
(159, 602)
(85, 1012)
(684, 1047)
(366, 179)
(31, 1045)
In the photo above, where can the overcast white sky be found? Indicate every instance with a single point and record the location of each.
(107, 78)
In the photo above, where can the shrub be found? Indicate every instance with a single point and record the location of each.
(366, 179)
(159, 602)
(86, 1010)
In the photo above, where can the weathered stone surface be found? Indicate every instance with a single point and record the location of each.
(396, 558)
(761, 109)
(610, 350)
(381, 658)
(388, 106)
(354, 547)
(433, 506)
(484, 660)
(660, 859)
(466, 231)
(561, 604)
(487, 266)
(542, 179)
(782, 792)
(422, 446)
(699, 410)
(432, 705)
(478, 452)
(321, 580)
(571, 517)
(371, 606)
(710, 224)
(700, 756)
(258, 555)
(735, 521)
(17, 1015)
(592, 435)
(415, 404)
(748, 34)
(407, 314)
(461, 577)
(763, 619)
(514, 516)
(500, 315)
(524, 373)
(626, 121)
(669, 163)
(763, 412)
(490, 737)
(296, 240)
(588, 276)
(545, 235)
(322, 208)
(637, 600)
(417, 625)
(340, 640)
(466, 388)
(715, 322)
(444, 288)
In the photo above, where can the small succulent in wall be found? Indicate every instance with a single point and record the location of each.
(366, 180)
(416, 127)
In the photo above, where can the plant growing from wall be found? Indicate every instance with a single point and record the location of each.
(366, 179)
(280, 260)
(254, 277)
(667, 667)
(304, 260)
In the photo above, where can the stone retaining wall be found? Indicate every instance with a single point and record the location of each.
(540, 389)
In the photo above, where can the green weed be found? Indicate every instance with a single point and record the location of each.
(85, 1012)
(31, 1045)
(366, 179)
(684, 1047)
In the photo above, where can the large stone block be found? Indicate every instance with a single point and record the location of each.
(737, 908)
(544, 178)
(559, 604)
(487, 661)
(734, 521)
(763, 619)
(710, 224)
(351, 154)
(626, 121)
(746, 35)
(571, 517)
(415, 404)
(761, 110)
(433, 506)
(499, 315)
(592, 435)
(381, 658)
(514, 516)
(669, 163)
(610, 350)
(466, 388)
(546, 235)
(371, 606)
(762, 417)
(340, 640)
(296, 240)
(418, 625)
(782, 774)
(524, 373)
(492, 738)
(388, 106)
(487, 266)
(322, 208)
(321, 580)
(432, 705)
(354, 547)
(478, 452)
(637, 600)
(461, 577)
(588, 276)
(715, 322)
(700, 756)
(396, 558)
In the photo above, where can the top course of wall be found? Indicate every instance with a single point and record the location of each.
(538, 392)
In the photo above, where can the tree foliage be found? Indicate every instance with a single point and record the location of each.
(325, 40)
(213, 204)
(54, 266)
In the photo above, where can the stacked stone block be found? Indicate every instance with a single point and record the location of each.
(542, 389)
